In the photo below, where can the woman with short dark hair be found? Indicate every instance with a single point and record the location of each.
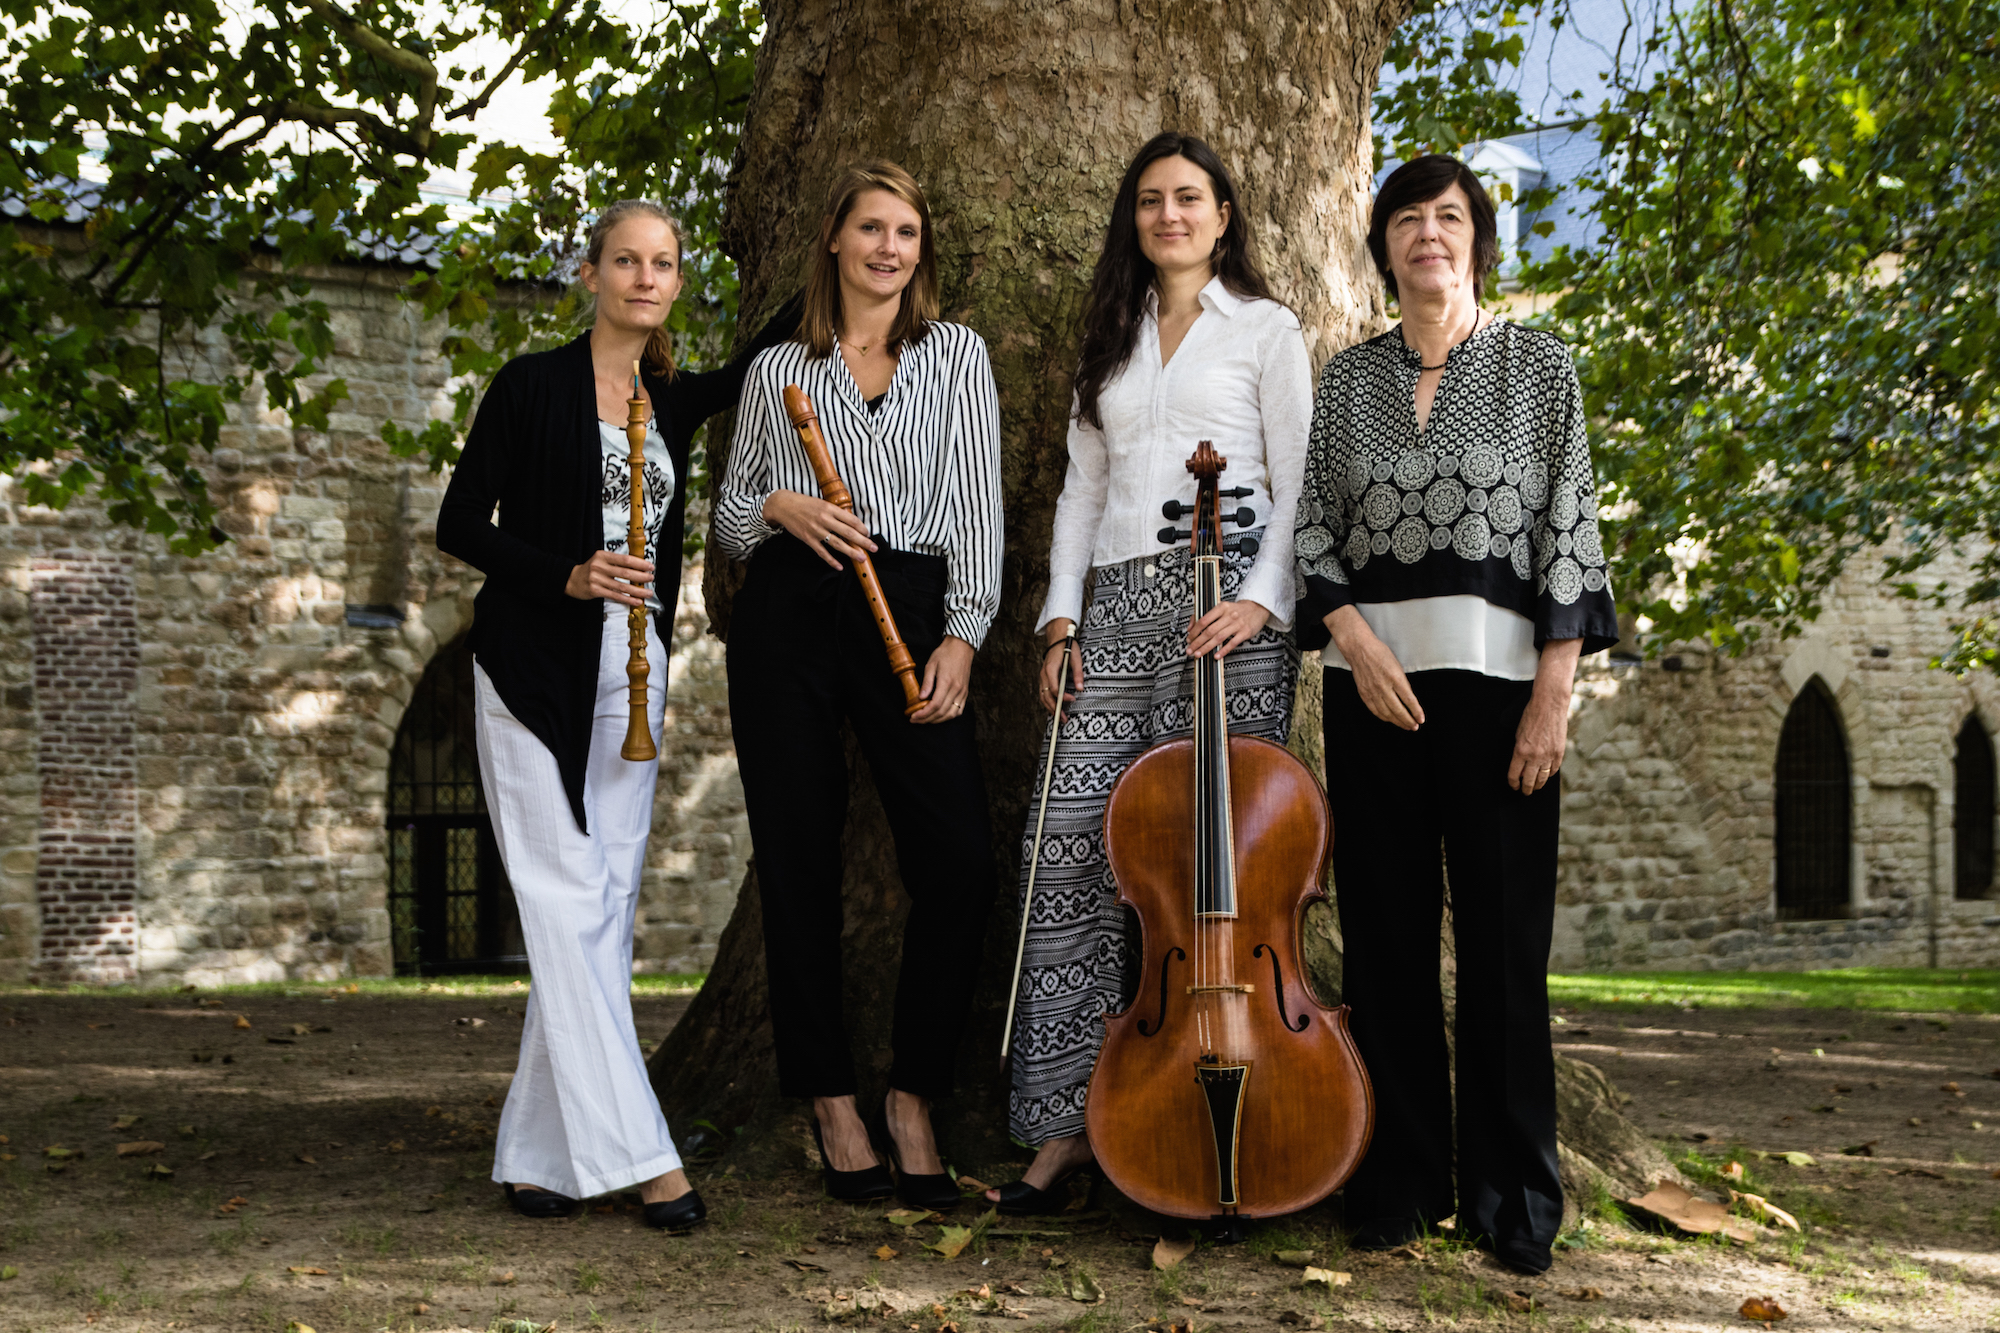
(1448, 539)
(1182, 342)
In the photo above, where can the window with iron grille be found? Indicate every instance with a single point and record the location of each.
(1814, 810)
(1972, 832)
(450, 908)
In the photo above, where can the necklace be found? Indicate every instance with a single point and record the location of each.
(860, 349)
(1461, 342)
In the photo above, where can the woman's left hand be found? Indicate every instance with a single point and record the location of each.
(1544, 731)
(1228, 626)
(947, 678)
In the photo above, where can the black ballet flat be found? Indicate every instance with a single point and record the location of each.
(868, 1185)
(540, 1202)
(682, 1214)
(1020, 1199)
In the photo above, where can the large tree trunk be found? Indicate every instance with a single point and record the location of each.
(1018, 118)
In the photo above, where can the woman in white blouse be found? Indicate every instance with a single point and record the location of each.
(1183, 342)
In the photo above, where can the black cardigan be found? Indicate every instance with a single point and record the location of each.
(534, 450)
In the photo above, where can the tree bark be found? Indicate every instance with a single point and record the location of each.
(1018, 118)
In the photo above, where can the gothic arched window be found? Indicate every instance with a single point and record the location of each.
(1972, 834)
(1813, 810)
(450, 908)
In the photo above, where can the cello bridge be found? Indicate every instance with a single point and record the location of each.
(1245, 989)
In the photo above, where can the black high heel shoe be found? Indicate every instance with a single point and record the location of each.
(867, 1185)
(682, 1214)
(1020, 1199)
(540, 1202)
(936, 1192)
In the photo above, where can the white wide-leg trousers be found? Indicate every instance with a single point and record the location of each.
(581, 1118)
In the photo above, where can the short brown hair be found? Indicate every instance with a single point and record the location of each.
(659, 343)
(819, 324)
(1419, 181)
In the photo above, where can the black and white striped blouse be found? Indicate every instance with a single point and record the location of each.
(924, 469)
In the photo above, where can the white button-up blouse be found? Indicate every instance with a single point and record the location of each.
(1240, 378)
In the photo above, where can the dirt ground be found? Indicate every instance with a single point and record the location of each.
(329, 1166)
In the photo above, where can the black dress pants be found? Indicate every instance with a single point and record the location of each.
(804, 656)
(1399, 798)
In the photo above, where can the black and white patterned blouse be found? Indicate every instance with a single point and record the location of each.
(1493, 499)
(615, 493)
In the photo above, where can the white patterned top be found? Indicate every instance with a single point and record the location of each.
(1494, 498)
(616, 495)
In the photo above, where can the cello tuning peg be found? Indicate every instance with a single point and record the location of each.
(1237, 493)
(1174, 509)
(1171, 534)
(1242, 518)
(1244, 546)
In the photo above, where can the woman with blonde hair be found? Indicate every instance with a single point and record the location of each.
(548, 448)
(912, 419)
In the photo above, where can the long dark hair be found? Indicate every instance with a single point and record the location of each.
(1124, 275)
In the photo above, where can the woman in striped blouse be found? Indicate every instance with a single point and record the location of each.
(912, 419)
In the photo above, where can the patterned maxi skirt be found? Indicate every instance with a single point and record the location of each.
(1138, 690)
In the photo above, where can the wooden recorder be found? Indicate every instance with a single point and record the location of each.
(638, 745)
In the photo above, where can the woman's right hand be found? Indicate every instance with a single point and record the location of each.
(613, 576)
(1377, 674)
(1050, 689)
(827, 528)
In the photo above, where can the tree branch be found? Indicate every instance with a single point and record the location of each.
(396, 57)
(388, 136)
(527, 47)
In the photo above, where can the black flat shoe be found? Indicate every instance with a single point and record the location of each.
(867, 1185)
(540, 1202)
(682, 1214)
(1020, 1199)
(936, 1192)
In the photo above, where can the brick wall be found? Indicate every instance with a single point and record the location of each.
(86, 660)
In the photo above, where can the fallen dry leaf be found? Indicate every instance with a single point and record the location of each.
(307, 1272)
(1295, 1258)
(1083, 1290)
(395, 1145)
(980, 1292)
(1167, 1253)
(1860, 1149)
(806, 1266)
(1584, 1293)
(1764, 1309)
(185, 1131)
(140, 1148)
(242, 1022)
(1734, 1171)
(1330, 1276)
(967, 1185)
(307, 1160)
(907, 1217)
(296, 1327)
(1301, 1320)
(505, 1279)
(1793, 1158)
(125, 1122)
(1951, 1088)
(160, 1170)
(952, 1242)
(1764, 1210)
(1673, 1204)
(420, 1308)
(301, 1029)
(1520, 1302)
(885, 1254)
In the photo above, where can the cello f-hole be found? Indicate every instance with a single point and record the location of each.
(1278, 989)
(1165, 959)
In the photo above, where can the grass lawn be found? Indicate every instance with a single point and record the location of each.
(1919, 990)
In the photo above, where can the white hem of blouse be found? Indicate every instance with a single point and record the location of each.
(1456, 633)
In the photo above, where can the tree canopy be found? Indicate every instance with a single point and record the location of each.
(174, 172)
(1784, 325)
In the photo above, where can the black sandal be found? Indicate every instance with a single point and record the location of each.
(869, 1184)
(1020, 1199)
(538, 1202)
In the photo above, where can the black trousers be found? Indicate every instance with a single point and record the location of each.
(804, 656)
(1397, 796)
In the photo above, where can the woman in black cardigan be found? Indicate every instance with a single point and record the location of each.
(548, 447)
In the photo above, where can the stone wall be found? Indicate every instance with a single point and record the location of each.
(260, 718)
(1667, 842)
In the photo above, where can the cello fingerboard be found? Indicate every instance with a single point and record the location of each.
(1215, 835)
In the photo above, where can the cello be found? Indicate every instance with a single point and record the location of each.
(1225, 1091)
